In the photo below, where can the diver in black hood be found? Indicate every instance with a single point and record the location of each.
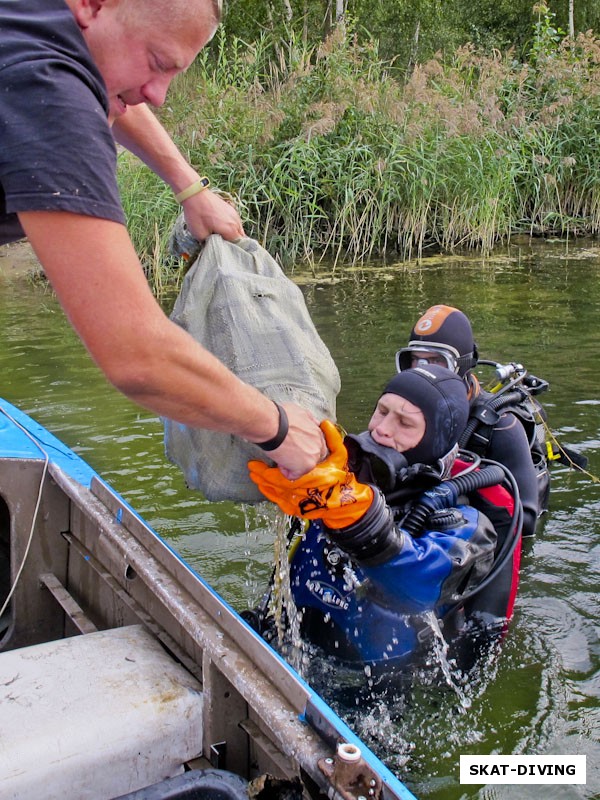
(398, 539)
(507, 427)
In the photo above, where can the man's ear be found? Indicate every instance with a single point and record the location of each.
(85, 11)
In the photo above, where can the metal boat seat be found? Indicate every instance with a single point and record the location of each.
(95, 716)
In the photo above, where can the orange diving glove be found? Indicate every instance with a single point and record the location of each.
(328, 492)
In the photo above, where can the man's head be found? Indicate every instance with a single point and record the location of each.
(443, 335)
(139, 46)
(421, 413)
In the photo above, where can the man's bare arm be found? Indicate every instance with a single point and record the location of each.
(140, 132)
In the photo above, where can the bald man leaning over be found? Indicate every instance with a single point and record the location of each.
(75, 77)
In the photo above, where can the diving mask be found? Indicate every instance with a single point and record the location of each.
(417, 354)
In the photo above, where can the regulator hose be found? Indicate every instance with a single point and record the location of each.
(445, 495)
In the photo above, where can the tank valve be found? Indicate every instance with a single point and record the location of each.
(506, 371)
(350, 775)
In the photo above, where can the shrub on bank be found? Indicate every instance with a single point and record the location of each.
(331, 156)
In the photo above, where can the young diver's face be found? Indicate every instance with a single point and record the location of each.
(397, 423)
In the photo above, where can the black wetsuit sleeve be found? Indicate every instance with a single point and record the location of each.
(374, 538)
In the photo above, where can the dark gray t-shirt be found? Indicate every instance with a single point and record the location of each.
(57, 152)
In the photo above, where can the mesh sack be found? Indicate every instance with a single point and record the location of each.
(237, 303)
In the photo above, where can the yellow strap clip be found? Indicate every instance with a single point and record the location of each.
(551, 455)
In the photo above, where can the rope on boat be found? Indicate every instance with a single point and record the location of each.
(35, 510)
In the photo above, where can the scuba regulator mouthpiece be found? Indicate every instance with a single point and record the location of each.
(373, 463)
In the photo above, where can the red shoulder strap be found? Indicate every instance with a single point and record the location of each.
(497, 495)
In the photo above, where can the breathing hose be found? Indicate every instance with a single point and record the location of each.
(434, 500)
(445, 495)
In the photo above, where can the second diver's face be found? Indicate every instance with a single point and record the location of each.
(139, 54)
(421, 358)
(397, 423)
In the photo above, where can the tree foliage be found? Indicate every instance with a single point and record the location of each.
(408, 32)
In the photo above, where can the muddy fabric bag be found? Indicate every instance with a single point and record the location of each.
(237, 302)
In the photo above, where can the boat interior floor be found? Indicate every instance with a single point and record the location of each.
(112, 709)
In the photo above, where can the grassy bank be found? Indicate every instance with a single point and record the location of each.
(332, 156)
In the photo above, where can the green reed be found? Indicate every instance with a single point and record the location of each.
(331, 156)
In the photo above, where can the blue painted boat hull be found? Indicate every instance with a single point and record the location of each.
(82, 575)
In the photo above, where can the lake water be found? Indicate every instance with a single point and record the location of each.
(537, 303)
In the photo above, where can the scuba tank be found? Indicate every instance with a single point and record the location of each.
(514, 391)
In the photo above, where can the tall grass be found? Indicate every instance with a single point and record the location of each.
(331, 157)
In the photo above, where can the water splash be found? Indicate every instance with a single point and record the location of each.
(439, 658)
(282, 604)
